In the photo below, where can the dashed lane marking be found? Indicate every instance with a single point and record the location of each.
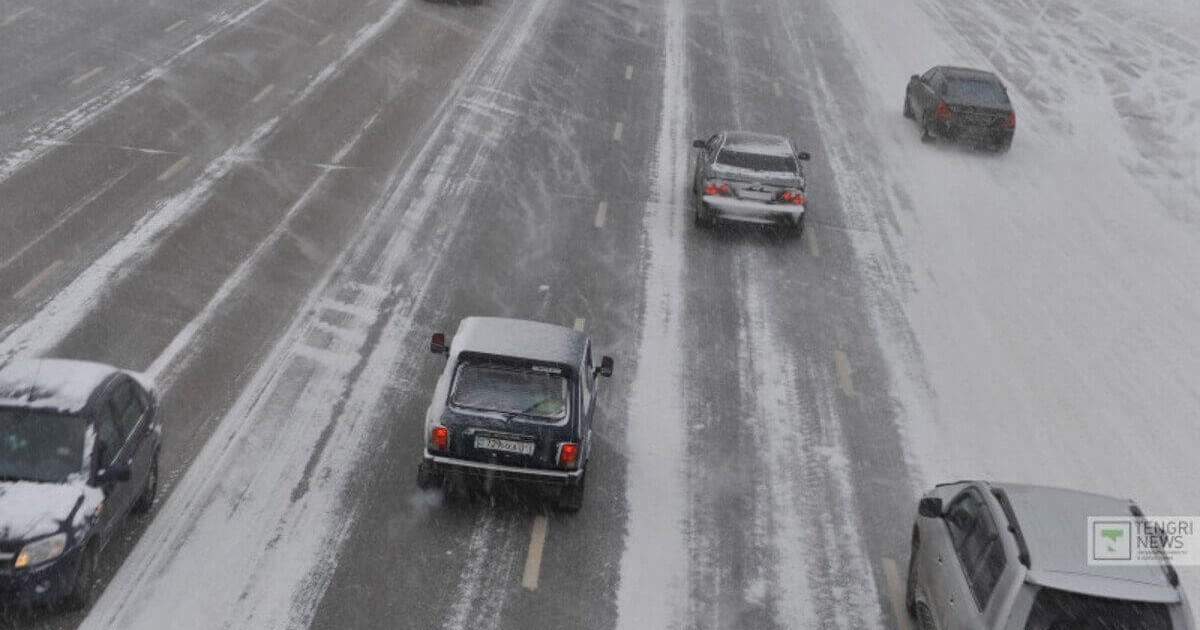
(174, 168)
(843, 369)
(628, 72)
(811, 237)
(778, 90)
(896, 593)
(87, 75)
(580, 323)
(618, 130)
(263, 93)
(537, 544)
(16, 15)
(174, 26)
(32, 284)
(601, 215)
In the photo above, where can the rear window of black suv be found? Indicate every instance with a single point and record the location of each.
(1060, 610)
(534, 391)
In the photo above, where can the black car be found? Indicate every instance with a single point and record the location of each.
(515, 402)
(749, 177)
(961, 104)
(79, 449)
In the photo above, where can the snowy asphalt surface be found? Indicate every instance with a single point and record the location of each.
(269, 204)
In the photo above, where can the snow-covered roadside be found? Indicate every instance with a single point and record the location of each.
(654, 564)
(1054, 298)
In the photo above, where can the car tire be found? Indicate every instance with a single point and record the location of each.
(145, 500)
(908, 111)
(1003, 147)
(570, 498)
(703, 220)
(428, 478)
(926, 134)
(910, 591)
(84, 588)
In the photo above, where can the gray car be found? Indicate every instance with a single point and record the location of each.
(1011, 556)
(749, 177)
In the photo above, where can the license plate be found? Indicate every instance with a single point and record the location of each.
(505, 446)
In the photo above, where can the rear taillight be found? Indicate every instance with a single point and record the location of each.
(568, 455)
(943, 111)
(714, 188)
(1010, 121)
(792, 197)
(439, 438)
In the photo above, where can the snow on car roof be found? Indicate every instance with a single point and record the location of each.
(763, 143)
(518, 338)
(958, 72)
(58, 384)
(1054, 522)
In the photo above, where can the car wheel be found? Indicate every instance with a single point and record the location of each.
(570, 498)
(145, 500)
(1003, 147)
(703, 220)
(910, 591)
(926, 133)
(85, 582)
(428, 478)
(908, 112)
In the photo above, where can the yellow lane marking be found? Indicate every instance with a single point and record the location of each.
(174, 26)
(580, 323)
(13, 17)
(263, 93)
(811, 236)
(601, 214)
(174, 168)
(628, 72)
(896, 593)
(87, 75)
(843, 369)
(32, 284)
(537, 544)
(618, 129)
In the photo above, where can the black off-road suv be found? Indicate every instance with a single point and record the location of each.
(515, 402)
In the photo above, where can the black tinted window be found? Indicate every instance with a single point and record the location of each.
(1059, 610)
(976, 91)
(529, 391)
(127, 408)
(757, 161)
(111, 437)
(40, 446)
(977, 544)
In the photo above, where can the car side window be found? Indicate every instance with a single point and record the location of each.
(110, 434)
(976, 543)
(127, 407)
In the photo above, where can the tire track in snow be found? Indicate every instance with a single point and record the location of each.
(654, 586)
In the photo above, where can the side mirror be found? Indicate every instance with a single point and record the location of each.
(699, 144)
(916, 78)
(804, 156)
(930, 507)
(437, 345)
(113, 473)
(606, 367)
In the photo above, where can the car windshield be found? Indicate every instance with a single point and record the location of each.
(529, 391)
(40, 446)
(757, 161)
(1060, 610)
(976, 91)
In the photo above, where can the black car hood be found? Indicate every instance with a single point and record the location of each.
(30, 510)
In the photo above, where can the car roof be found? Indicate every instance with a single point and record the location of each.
(51, 384)
(520, 339)
(1055, 526)
(958, 72)
(761, 143)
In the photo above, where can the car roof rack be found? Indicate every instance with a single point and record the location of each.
(1172, 576)
(1013, 526)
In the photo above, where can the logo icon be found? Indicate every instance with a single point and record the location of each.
(1111, 540)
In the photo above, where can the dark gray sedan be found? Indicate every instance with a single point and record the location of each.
(749, 177)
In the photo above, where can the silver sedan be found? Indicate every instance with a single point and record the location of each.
(749, 177)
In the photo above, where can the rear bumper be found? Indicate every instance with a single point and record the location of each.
(730, 209)
(469, 468)
(958, 131)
